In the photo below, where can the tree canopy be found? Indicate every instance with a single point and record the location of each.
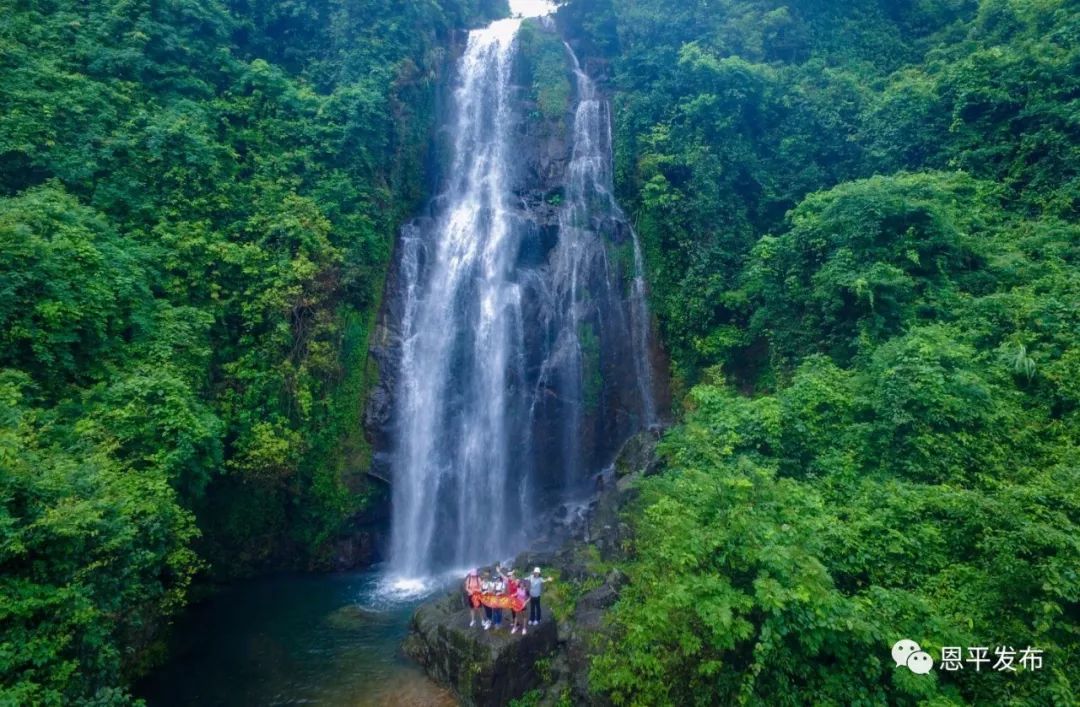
(861, 230)
(198, 202)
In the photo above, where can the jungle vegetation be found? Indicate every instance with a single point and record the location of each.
(861, 229)
(860, 224)
(198, 201)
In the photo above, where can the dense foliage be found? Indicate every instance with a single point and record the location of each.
(860, 222)
(861, 227)
(197, 205)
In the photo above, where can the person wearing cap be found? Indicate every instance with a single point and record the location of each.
(536, 588)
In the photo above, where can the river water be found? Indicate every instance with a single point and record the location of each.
(292, 640)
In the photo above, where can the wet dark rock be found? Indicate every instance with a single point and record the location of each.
(638, 454)
(482, 667)
(603, 597)
(360, 548)
(378, 410)
(381, 467)
(361, 541)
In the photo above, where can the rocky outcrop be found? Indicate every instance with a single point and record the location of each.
(359, 548)
(360, 541)
(483, 667)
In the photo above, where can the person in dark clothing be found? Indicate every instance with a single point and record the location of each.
(498, 588)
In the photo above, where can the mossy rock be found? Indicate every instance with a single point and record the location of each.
(482, 667)
(547, 71)
(354, 618)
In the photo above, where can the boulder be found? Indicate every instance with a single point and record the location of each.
(356, 618)
(638, 454)
(481, 667)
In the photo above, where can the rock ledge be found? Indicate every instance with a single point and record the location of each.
(482, 667)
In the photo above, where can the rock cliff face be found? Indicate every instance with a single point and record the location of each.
(551, 663)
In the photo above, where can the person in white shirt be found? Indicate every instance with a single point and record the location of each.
(536, 588)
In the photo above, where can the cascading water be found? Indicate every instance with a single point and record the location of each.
(509, 367)
(460, 344)
(590, 196)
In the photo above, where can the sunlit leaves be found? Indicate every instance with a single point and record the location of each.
(760, 588)
(89, 551)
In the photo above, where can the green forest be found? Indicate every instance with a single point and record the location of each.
(198, 202)
(861, 229)
(861, 225)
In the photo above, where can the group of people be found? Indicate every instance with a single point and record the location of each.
(498, 590)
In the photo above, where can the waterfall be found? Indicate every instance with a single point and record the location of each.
(590, 193)
(508, 367)
(460, 325)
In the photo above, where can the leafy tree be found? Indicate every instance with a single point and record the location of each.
(862, 262)
(92, 555)
(70, 289)
(750, 585)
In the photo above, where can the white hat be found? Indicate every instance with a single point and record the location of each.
(536, 570)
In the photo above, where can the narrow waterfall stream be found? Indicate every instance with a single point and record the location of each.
(590, 194)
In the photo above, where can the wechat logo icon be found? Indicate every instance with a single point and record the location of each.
(908, 653)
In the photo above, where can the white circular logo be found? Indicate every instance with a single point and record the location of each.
(920, 662)
(902, 650)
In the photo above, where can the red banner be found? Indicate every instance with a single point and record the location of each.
(498, 601)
